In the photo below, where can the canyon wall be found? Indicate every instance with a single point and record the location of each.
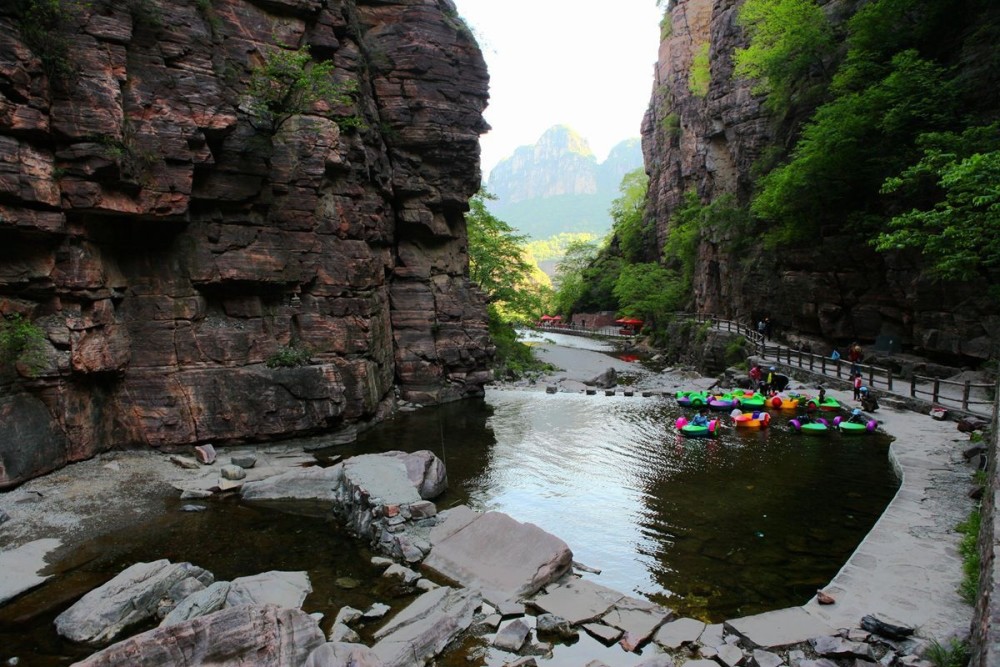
(168, 247)
(832, 290)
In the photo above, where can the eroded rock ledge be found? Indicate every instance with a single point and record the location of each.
(168, 249)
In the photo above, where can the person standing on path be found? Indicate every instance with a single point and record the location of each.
(854, 356)
(768, 331)
(857, 386)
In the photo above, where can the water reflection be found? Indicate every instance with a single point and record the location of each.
(750, 521)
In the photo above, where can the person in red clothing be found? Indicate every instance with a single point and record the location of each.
(857, 386)
(854, 356)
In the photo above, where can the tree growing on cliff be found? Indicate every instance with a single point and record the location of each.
(22, 343)
(789, 42)
(286, 83)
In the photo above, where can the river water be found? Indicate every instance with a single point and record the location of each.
(744, 523)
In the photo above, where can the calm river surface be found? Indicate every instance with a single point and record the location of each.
(748, 522)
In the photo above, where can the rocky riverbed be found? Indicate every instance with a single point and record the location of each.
(513, 587)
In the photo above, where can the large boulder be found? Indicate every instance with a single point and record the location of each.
(497, 555)
(135, 595)
(266, 636)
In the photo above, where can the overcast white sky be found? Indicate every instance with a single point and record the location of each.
(583, 63)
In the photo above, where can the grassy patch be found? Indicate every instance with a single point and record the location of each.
(953, 654)
(969, 529)
(288, 356)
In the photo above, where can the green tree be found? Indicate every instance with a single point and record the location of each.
(286, 83)
(853, 143)
(790, 41)
(648, 291)
(570, 282)
(958, 227)
(634, 234)
(498, 264)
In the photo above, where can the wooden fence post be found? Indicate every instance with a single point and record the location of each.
(965, 395)
(913, 386)
(937, 388)
(889, 378)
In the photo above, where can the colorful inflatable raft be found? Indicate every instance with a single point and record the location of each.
(693, 399)
(693, 431)
(810, 426)
(752, 420)
(848, 427)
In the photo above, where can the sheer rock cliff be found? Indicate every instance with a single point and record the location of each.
(168, 248)
(833, 289)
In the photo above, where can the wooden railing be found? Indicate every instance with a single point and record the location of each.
(609, 331)
(946, 393)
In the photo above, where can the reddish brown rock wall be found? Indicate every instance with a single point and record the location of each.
(167, 248)
(834, 290)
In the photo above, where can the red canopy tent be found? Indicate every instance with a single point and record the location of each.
(628, 321)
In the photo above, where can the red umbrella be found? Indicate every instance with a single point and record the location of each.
(545, 318)
(629, 320)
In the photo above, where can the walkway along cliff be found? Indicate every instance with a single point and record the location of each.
(168, 247)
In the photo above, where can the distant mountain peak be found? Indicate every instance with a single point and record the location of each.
(566, 138)
(557, 182)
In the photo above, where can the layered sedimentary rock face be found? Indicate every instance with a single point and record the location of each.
(169, 244)
(705, 136)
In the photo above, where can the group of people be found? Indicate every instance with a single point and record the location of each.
(768, 383)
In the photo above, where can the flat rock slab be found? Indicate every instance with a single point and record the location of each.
(499, 556)
(383, 477)
(285, 589)
(315, 483)
(133, 596)
(424, 628)
(638, 619)
(775, 629)
(677, 633)
(578, 601)
(248, 635)
(19, 567)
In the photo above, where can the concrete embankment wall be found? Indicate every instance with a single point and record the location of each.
(986, 621)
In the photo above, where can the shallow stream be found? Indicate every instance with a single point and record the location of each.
(744, 523)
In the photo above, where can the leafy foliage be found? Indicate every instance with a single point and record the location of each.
(852, 144)
(959, 231)
(42, 24)
(498, 264)
(22, 343)
(789, 42)
(700, 75)
(648, 291)
(288, 356)
(633, 232)
(287, 83)
(555, 247)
